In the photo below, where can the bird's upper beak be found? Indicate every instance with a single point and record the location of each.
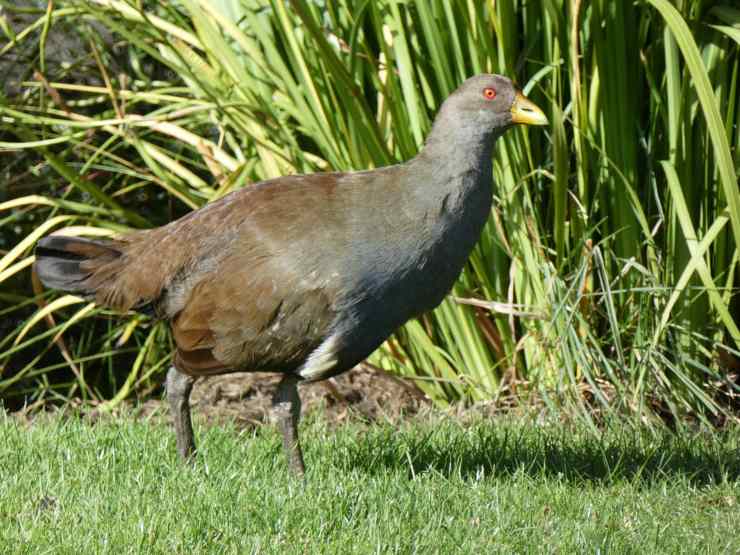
(525, 111)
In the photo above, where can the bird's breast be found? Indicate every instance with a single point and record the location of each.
(415, 261)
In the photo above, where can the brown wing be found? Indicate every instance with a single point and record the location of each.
(257, 294)
(247, 317)
(268, 220)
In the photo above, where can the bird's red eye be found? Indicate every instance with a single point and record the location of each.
(489, 93)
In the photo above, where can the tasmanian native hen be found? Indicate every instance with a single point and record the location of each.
(304, 275)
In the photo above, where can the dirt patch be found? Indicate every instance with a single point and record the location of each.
(364, 392)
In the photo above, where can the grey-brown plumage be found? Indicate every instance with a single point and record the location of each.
(305, 275)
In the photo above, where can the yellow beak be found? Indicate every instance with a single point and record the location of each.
(525, 111)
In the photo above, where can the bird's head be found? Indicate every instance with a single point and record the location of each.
(492, 102)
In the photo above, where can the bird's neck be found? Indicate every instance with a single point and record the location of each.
(454, 148)
(453, 183)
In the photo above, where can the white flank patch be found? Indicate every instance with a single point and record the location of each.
(321, 360)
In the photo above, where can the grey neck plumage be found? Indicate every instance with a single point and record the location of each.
(456, 161)
(457, 146)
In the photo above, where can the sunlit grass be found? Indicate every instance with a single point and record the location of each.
(431, 486)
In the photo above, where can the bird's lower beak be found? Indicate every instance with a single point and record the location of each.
(525, 111)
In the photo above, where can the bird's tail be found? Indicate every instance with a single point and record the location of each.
(74, 264)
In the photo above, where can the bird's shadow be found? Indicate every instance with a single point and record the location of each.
(636, 457)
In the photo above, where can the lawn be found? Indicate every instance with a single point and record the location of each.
(430, 485)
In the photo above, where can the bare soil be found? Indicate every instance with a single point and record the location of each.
(365, 392)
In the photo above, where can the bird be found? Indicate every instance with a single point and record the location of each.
(304, 275)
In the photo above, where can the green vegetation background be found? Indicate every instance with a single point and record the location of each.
(604, 282)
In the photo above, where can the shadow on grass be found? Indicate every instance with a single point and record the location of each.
(630, 456)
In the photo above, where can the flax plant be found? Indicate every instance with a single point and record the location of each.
(605, 280)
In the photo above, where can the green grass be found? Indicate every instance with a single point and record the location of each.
(430, 486)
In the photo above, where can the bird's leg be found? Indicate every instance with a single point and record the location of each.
(179, 386)
(286, 410)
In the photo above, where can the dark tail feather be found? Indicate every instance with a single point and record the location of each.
(66, 263)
